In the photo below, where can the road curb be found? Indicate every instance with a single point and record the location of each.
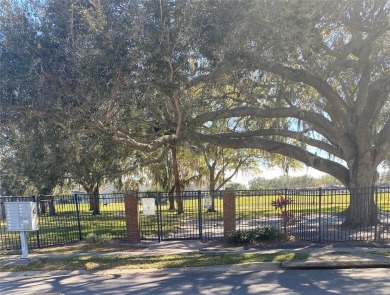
(333, 264)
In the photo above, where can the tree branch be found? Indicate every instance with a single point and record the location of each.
(145, 147)
(338, 106)
(142, 163)
(240, 163)
(330, 167)
(321, 124)
(377, 96)
(382, 143)
(363, 85)
(334, 150)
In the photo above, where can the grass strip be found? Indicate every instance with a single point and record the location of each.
(144, 262)
(80, 247)
(382, 252)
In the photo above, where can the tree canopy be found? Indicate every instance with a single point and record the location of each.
(306, 80)
(326, 85)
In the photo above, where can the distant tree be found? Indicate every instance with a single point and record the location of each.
(93, 159)
(236, 186)
(327, 180)
(223, 164)
(282, 182)
(291, 182)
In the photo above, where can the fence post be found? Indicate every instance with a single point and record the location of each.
(76, 199)
(132, 217)
(229, 212)
(200, 221)
(34, 199)
(2, 209)
(159, 217)
(287, 208)
(319, 214)
(375, 191)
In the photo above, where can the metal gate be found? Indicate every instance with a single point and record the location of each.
(168, 223)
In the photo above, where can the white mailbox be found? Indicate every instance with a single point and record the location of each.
(21, 216)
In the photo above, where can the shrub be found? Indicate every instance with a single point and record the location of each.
(91, 238)
(104, 239)
(240, 237)
(264, 233)
(287, 218)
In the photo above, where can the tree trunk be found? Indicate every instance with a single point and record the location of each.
(95, 201)
(213, 195)
(171, 193)
(90, 195)
(93, 194)
(212, 189)
(362, 210)
(171, 198)
(2, 210)
(52, 208)
(42, 206)
(179, 199)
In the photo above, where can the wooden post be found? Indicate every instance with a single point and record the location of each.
(132, 217)
(229, 213)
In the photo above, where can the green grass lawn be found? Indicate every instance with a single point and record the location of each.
(381, 252)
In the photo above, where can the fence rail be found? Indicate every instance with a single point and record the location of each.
(316, 215)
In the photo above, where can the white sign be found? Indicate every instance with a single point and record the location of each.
(149, 206)
(21, 216)
(208, 202)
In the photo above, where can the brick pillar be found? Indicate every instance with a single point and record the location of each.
(229, 213)
(132, 217)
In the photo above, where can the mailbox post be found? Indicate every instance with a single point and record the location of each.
(22, 217)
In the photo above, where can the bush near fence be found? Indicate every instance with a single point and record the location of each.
(318, 213)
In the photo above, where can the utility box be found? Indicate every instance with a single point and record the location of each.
(21, 216)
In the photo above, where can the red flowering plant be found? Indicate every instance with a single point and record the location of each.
(287, 218)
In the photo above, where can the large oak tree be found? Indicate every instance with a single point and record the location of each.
(320, 70)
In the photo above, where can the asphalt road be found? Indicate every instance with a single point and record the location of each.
(176, 282)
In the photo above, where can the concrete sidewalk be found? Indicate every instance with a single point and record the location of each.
(329, 257)
(320, 257)
(325, 257)
(341, 258)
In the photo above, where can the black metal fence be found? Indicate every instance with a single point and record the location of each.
(316, 215)
(67, 219)
(311, 214)
(196, 221)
